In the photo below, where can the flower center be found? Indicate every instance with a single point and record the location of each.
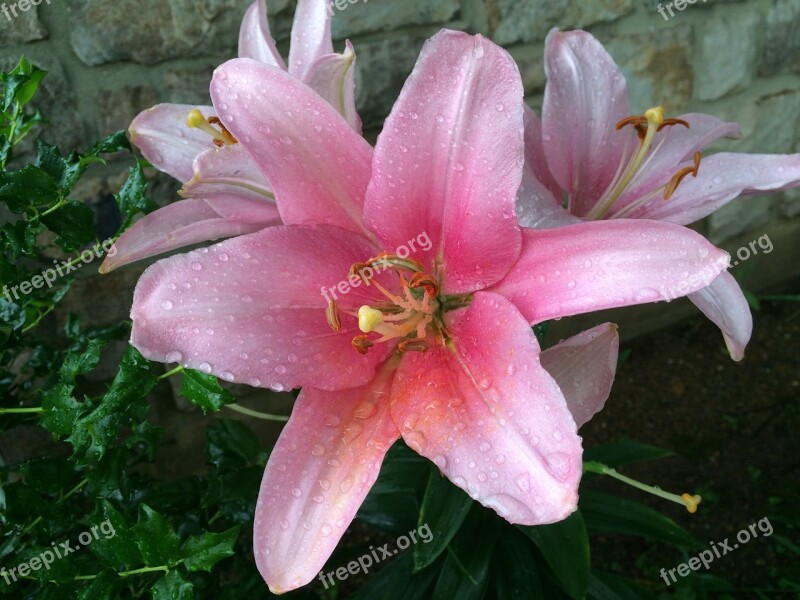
(646, 128)
(406, 317)
(222, 137)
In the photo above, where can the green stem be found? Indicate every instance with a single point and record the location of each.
(168, 374)
(38, 320)
(21, 411)
(61, 202)
(162, 568)
(254, 413)
(687, 500)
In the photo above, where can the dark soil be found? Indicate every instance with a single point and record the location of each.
(734, 430)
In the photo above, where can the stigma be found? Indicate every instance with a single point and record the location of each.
(221, 136)
(646, 127)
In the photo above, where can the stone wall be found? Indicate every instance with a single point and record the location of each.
(736, 59)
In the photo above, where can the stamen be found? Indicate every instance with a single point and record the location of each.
(412, 346)
(222, 137)
(362, 344)
(426, 282)
(332, 314)
(673, 183)
(691, 502)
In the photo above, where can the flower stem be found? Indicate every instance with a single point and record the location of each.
(687, 500)
(21, 411)
(258, 415)
(174, 371)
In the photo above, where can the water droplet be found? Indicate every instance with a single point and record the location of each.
(524, 482)
(227, 376)
(347, 483)
(326, 530)
(167, 304)
(324, 484)
(205, 368)
(296, 492)
(318, 450)
(197, 266)
(485, 446)
(224, 257)
(365, 410)
(174, 357)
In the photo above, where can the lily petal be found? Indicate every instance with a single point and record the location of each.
(190, 222)
(311, 36)
(227, 171)
(584, 367)
(724, 177)
(449, 161)
(255, 39)
(164, 138)
(490, 417)
(539, 196)
(326, 460)
(724, 303)
(333, 77)
(250, 309)
(585, 97)
(607, 264)
(317, 165)
(673, 146)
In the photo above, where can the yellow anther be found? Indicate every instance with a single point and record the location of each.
(369, 319)
(655, 116)
(691, 502)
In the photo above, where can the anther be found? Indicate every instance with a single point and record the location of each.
(412, 346)
(332, 314)
(362, 344)
(676, 180)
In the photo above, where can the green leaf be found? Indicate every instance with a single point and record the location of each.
(115, 142)
(173, 586)
(155, 538)
(124, 403)
(74, 224)
(61, 410)
(28, 187)
(115, 546)
(515, 567)
(81, 362)
(27, 79)
(444, 508)
(230, 446)
(395, 581)
(106, 585)
(466, 567)
(565, 547)
(132, 199)
(606, 586)
(624, 452)
(606, 513)
(202, 552)
(204, 391)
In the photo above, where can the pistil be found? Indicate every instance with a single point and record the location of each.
(222, 137)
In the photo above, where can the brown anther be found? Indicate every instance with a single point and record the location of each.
(362, 344)
(412, 346)
(631, 121)
(358, 270)
(425, 281)
(668, 122)
(332, 314)
(225, 132)
(676, 180)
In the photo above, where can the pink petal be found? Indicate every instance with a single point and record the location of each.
(311, 36)
(250, 309)
(673, 146)
(724, 303)
(722, 178)
(607, 264)
(585, 97)
(539, 196)
(228, 171)
(584, 367)
(448, 162)
(326, 460)
(190, 222)
(490, 417)
(164, 138)
(255, 39)
(317, 165)
(333, 77)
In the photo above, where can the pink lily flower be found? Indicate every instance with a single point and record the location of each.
(614, 166)
(399, 295)
(227, 195)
